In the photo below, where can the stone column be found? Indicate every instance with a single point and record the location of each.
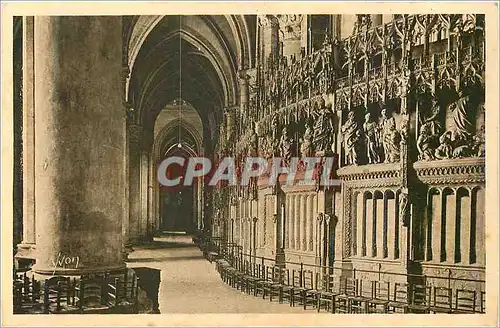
(79, 144)
(290, 34)
(303, 215)
(135, 133)
(269, 26)
(296, 218)
(144, 219)
(450, 201)
(243, 82)
(376, 19)
(151, 195)
(26, 248)
(291, 219)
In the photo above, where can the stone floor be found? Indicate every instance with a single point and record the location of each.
(190, 284)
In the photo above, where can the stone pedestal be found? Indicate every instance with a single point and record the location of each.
(79, 144)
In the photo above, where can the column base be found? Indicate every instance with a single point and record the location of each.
(280, 259)
(44, 272)
(127, 249)
(347, 268)
(26, 251)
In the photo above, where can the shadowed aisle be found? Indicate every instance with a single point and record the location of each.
(190, 284)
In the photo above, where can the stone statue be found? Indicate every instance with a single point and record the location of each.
(372, 140)
(253, 149)
(285, 145)
(479, 143)
(404, 206)
(432, 123)
(459, 111)
(461, 144)
(427, 140)
(392, 143)
(305, 142)
(351, 133)
(274, 126)
(426, 143)
(266, 147)
(323, 129)
(387, 126)
(445, 149)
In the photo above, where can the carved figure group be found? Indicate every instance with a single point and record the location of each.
(381, 138)
(457, 141)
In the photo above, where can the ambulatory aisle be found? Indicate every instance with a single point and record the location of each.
(190, 284)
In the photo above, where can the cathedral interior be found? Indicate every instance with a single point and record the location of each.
(397, 100)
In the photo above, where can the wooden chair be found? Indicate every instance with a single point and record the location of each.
(326, 292)
(56, 294)
(399, 301)
(112, 290)
(265, 284)
(253, 278)
(282, 283)
(348, 287)
(420, 299)
(91, 293)
(482, 302)
(364, 293)
(309, 293)
(296, 287)
(381, 296)
(465, 301)
(442, 300)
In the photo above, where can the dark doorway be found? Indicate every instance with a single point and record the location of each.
(177, 210)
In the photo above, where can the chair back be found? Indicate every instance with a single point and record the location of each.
(307, 281)
(349, 286)
(366, 288)
(421, 294)
(296, 278)
(382, 290)
(482, 302)
(465, 300)
(442, 297)
(269, 273)
(400, 292)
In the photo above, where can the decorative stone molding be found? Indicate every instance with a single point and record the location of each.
(452, 171)
(369, 172)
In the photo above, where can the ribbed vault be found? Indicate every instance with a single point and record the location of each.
(193, 57)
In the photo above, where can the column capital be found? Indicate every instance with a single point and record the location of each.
(268, 21)
(135, 132)
(290, 26)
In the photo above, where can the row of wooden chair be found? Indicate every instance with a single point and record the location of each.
(346, 294)
(60, 294)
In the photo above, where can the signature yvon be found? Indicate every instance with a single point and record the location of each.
(64, 261)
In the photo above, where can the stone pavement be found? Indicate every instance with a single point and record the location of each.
(190, 284)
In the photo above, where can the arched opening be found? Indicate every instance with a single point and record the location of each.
(179, 209)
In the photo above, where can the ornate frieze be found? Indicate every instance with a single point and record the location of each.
(455, 171)
(381, 172)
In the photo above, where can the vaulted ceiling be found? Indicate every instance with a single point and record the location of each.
(193, 57)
